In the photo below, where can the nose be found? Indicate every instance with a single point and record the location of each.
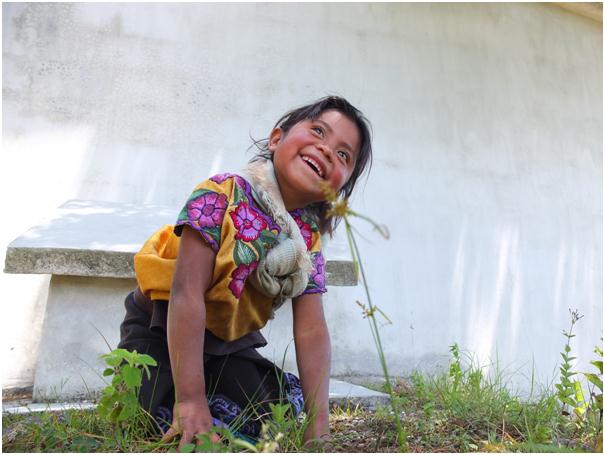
(326, 150)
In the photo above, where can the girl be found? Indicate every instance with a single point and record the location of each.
(241, 246)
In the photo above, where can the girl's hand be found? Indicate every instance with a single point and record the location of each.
(189, 419)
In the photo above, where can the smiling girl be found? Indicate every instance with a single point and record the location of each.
(242, 245)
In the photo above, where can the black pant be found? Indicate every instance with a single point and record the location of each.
(239, 386)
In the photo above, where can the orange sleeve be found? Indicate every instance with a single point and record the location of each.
(154, 264)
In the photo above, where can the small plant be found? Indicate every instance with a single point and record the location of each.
(569, 390)
(455, 370)
(281, 433)
(586, 409)
(119, 402)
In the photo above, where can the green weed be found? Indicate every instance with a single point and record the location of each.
(569, 390)
(119, 404)
(585, 410)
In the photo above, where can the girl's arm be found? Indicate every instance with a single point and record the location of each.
(312, 342)
(186, 324)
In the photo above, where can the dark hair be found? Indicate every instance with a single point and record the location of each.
(312, 112)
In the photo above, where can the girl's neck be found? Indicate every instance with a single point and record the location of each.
(291, 201)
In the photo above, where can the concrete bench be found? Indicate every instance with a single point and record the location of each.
(88, 248)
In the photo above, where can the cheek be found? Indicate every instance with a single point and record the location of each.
(339, 178)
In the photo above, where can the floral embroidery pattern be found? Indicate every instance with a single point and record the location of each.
(248, 222)
(305, 230)
(239, 276)
(207, 210)
(256, 231)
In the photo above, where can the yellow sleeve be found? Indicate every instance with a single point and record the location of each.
(154, 264)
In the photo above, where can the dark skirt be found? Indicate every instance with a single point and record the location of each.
(240, 383)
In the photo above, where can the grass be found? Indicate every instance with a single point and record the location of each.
(461, 410)
(68, 431)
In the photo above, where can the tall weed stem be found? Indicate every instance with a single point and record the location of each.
(341, 209)
(371, 315)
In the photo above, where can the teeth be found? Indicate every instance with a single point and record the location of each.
(314, 163)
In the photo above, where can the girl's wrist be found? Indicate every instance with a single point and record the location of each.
(319, 426)
(192, 393)
(316, 436)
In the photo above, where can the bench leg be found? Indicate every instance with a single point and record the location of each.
(81, 313)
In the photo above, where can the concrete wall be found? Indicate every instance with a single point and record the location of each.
(488, 154)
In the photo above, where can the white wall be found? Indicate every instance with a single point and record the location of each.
(488, 153)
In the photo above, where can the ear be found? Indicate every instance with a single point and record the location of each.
(274, 138)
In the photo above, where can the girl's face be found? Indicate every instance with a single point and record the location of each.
(313, 151)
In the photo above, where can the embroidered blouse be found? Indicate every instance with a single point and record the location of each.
(225, 214)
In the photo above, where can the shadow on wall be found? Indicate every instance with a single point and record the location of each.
(101, 106)
(511, 297)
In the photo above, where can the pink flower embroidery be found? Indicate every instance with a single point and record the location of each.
(208, 210)
(248, 222)
(239, 276)
(305, 230)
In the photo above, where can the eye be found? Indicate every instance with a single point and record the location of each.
(344, 155)
(318, 129)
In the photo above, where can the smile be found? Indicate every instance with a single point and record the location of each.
(313, 165)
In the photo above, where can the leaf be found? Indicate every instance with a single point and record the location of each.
(131, 406)
(121, 353)
(113, 361)
(595, 380)
(579, 393)
(115, 413)
(598, 364)
(132, 376)
(146, 368)
(145, 359)
(187, 448)
(388, 321)
(103, 408)
(108, 371)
